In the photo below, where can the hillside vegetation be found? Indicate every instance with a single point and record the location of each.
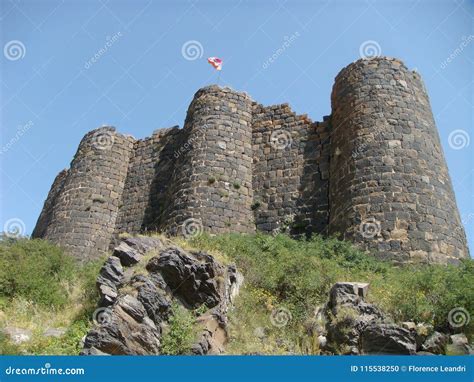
(286, 281)
(42, 288)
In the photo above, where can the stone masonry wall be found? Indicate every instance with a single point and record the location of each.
(85, 210)
(291, 171)
(145, 195)
(213, 178)
(373, 172)
(45, 216)
(390, 189)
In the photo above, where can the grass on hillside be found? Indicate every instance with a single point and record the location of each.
(286, 282)
(42, 288)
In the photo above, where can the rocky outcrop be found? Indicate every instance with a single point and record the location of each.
(380, 338)
(138, 286)
(355, 326)
(459, 345)
(436, 343)
(348, 316)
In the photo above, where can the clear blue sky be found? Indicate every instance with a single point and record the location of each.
(53, 93)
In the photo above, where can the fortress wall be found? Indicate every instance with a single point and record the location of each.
(290, 172)
(213, 179)
(45, 216)
(145, 194)
(390, 189)
(84, 215)
(373, 173)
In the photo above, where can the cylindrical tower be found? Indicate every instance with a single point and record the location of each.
(390, 190)
(45, 216)
(212, 183)
(85, 210)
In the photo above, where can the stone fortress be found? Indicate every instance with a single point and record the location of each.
(373, 172)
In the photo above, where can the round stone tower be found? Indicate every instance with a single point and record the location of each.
(85, 210)
(212, 184)
(390, 190)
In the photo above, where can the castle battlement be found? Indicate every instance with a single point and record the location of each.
(373, 172)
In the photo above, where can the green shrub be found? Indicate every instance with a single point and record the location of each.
(41, 287)
(180, 334)
(35, 270)
(428, 293)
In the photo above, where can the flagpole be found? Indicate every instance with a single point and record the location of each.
(218, 77)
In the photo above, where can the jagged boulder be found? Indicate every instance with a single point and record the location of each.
(127, 254)
(347, 316)
(379, 338)
(459, 345)
(356, 327)
(154, 300)
(192, 280)
(436, 343)
(110, 278)
(123, 329)
(136, 300)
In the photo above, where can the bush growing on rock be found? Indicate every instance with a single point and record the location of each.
(180, 334)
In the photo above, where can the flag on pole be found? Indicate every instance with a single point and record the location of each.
(215, 62)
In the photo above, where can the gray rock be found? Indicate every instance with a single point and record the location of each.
(188, 278)
(379, 338)
(107, 294)
(322, 341)
(128, 256)
(436, 343)
(17, 335)
(459, 345)
(348, 294)
(111, 273)
(127, 331)
(109, 279)
(144, 244)
(136, 306)
(459, 339)
(348, 314)
(93, 351)
(54, 332)
(156, 304)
